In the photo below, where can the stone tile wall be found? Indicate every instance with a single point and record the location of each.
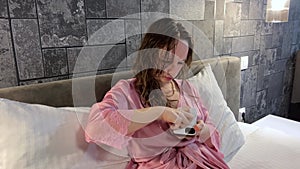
(42, 41)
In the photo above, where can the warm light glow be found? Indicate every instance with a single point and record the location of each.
(277, 11)
(278, 5)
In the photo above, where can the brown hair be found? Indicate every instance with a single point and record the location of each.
(163, 33)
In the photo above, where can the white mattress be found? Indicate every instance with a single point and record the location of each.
(268, 148)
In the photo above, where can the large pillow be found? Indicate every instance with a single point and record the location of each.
(37, 136)
(222, 117)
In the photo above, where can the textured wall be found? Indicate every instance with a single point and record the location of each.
(41, 40)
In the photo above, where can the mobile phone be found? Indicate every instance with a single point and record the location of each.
(189, 130)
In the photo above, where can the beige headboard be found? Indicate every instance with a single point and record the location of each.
(61, 93)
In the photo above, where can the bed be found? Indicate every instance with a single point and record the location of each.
(42, 125)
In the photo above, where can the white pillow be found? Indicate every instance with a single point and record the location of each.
(220, 114)
(37, 136)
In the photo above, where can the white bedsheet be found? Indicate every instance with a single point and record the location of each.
(267, 148)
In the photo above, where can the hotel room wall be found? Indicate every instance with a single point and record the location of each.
(40, 41)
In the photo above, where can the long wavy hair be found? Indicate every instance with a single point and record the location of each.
(162, 35)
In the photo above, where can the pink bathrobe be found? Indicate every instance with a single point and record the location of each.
(153, 146)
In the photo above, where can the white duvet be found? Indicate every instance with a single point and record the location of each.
(267, 148)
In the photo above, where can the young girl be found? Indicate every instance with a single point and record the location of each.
(141, 114)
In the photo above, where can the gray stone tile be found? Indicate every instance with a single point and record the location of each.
(267, 28)
(240, 44)
(114, 58)
(55, 62)
(152, 10)
(249, 80)
(62, 23)
(275, 85)
(296, 31)
(121, 8)
(132, 45)
(277, 36)
(257, 36)
(27, 48)
(105, 31)
(248, 27)
(8, 75)
(133, 36)
(209, 9)
(22, 9)
(132, 27)
(269, 61)
(86, 59)
(188, 9)
(232, 21)
(3, 9)
(256, 9)
(261, 100)
(202, 38)
(260, 77)
(227, 47)
(44, 80)
(273, 106)
(280, 65)
(95, 8)
(286, 45)
(245, 9)
(207, 27)
(220, 8)
(218, 44)
(268, 40)
(288, 77)
(155, 6)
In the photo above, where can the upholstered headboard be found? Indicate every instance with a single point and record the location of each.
(85, 91)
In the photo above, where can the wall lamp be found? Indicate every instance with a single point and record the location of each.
(277, 11)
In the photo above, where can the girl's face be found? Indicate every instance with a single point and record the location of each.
(174, 63)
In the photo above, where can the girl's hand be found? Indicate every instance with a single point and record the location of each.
(202, 130)
(179, 118)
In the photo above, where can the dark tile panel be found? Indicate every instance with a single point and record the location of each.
(22, 9)
(84, 59)
(269, 61)
(3, 9)
(8, 75)
(133, 36)
(62, 23)
(121, 8)
(249, 81)
(261, 100)
(114, 58)
(28, 48)
(275, 85)
(55, 62)
(95, 8)
(105, 31)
